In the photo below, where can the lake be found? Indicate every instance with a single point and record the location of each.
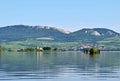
(60, 66)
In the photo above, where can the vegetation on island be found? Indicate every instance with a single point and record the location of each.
(92, 50)
(34, 49)
(29, 49)
(1, 48)
(47, 48)
(10, 50)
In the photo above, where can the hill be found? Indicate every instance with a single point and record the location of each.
(93, 35)
(24, 35)
(23, 32)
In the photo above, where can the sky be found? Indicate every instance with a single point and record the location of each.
(70, 15)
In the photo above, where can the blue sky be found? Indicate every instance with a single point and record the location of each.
(70, 15)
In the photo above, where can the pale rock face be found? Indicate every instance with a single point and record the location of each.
(95, 33)
(66, 32)
(86, 31)
(47, 27)
(61, 30)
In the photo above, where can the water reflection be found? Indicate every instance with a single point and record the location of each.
(50, 65)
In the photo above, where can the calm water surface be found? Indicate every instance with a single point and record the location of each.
(60, 66)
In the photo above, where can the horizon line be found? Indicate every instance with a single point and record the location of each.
(57, 27)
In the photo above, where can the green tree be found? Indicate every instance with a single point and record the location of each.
(0, 48)
(94, 50)
(46, 48)
(29, 49)
(10, 50)
(55, 49)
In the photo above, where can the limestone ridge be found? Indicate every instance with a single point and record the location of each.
(24, 32)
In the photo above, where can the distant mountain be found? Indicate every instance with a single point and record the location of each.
(24, 32)
(93, 35)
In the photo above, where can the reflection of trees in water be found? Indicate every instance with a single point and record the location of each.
(0, 55)
(0, 58)
(58, 62)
